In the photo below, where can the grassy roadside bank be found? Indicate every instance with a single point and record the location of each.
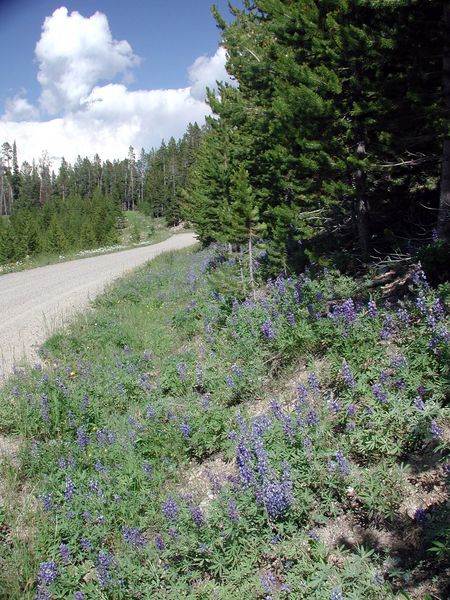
(137, 230)
(186, 444)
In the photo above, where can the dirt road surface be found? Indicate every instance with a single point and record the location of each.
(33, 304)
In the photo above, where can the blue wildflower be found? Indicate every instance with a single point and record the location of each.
(69, 490)
(170, 509)
(48, 572)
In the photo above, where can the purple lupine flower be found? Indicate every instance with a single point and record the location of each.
(342, 463)
(403, 316)
(150, 412)
(173, 533)
(85, 544)
(71, 418)
(94, 486)
(307, 445)
(385, 377)
(260, 425)
(331, 465)
(313, 418)
(148, 469)
(388, 326)
(261, 457)
(347, 374)
(436, 431)
(85, 402)
(198, 374)
(302, 397)
(45, 409)
(69, 490)
(230, 381)
(400, 384)
(333, 404)
(431, 322)
(421, 303)
(337, 595)
(287, 425)
(351, 410)
(99, 467)
(313, 535)
(269, 582)
(197, 515)
(206, 400)
(348, 311)
(267, 330)
(243, 458)
(438, 309)
(185, 428)
(276, 497)
(34, 449)
(420, 516)
(419, 403)
(64, 552)
(159, 543)
(105, 561)
(48, 572)
(47, 501)
(372, 309)
(86, 516)
(133, 536)
(79, 596)
(233, 513)
(236, 370)
(275, 407)
(286, 481)
(421, 390)
(82, 438)
(181, 370)
(170, 509)
(350, 426)
(378, 392)
(419, 278)
(313, 383)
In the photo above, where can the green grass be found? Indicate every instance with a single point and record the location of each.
(170, 386)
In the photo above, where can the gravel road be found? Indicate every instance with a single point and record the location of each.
(34, 303)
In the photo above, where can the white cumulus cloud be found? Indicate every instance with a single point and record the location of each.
(206, 71)
(74, 53)
(19, 109)
(78, 60)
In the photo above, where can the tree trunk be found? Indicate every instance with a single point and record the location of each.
(443, 225)
(244, 287)
(250, 264)
(362, 216)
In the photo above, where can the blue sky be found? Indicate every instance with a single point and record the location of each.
(137, 73)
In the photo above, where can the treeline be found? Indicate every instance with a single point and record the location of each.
(79, 206)
(58, 226)
(333, 138)
(151, 182)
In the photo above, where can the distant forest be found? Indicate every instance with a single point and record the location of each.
(79, 205)
(332, 146)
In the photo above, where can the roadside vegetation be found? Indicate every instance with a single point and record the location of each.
(187, 440)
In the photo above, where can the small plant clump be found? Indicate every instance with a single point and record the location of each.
(188, 442)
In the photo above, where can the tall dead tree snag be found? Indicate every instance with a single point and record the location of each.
(443, 227)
